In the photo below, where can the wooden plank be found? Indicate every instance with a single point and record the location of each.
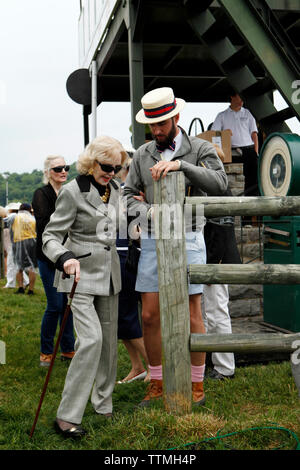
(278, 232)
(245, 343)
(244, 273)
(278, 242)
(173, 292)
(239, 206)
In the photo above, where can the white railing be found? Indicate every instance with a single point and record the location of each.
(95, 16)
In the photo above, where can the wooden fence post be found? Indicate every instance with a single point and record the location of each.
(169, 193)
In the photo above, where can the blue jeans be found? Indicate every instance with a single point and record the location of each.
(56, 304)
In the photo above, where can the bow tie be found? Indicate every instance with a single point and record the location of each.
(171, 146)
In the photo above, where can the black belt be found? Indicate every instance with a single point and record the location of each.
(245, 147)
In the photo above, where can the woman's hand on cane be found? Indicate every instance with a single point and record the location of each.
(72, 266)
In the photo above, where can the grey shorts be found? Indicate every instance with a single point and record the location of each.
(147, 277)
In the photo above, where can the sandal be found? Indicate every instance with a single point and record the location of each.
(139, 376)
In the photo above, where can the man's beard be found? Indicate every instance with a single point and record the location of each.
(168, 139)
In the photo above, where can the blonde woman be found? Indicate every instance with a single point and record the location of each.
(43, 203)
(84, 210)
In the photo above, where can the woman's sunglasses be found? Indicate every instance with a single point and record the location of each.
(59, 169)
(109, 168)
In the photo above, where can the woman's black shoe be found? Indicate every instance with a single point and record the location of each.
(21, 290)
(75, 432)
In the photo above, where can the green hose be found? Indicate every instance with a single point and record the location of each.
(218, 437)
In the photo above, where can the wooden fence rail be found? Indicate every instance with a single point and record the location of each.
(244, 274)
(247, 206)
(245, 343)
(173, 275)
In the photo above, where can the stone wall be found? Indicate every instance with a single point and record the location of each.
(235, 177)
(245, 300)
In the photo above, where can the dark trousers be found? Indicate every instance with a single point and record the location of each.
(250, 170)
(221, 246)
(56, 304)
(128, 320)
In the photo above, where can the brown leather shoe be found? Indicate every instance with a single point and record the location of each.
(198, 393)
(154, 390)
(67, 356)
(45, 359)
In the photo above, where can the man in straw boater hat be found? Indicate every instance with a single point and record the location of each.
(171, 150)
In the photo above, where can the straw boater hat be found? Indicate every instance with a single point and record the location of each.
(159, 105)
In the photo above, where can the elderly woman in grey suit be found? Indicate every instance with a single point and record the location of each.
(86, 211)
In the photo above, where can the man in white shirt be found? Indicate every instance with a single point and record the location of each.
(244, 140)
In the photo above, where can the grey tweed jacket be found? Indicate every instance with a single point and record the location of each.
(203, 170)
(91, 227)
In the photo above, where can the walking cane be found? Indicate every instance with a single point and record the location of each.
(63, 323)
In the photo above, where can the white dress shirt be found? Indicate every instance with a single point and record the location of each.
(241, 123)
(169, 154)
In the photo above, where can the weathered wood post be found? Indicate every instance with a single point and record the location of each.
(169, 194)
(295, 364)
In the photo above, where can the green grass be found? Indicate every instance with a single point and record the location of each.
(260, 396)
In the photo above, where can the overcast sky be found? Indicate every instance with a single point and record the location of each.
(38, 51)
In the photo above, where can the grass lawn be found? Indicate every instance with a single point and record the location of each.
(258, 410)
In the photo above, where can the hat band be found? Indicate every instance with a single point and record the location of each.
(161, 111)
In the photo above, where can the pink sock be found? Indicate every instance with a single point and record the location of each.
(197, 373)
(155, 372)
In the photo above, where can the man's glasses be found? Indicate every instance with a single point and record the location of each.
(109, 168)
(59, 169)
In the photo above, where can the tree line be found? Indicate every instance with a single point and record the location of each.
(21, 186)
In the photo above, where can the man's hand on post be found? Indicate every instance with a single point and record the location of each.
(162, 168)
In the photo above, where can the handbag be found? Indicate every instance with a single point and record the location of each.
(133, 256)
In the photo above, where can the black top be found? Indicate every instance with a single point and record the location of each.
(43, 204)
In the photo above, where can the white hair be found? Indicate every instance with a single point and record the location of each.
(47, 166)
